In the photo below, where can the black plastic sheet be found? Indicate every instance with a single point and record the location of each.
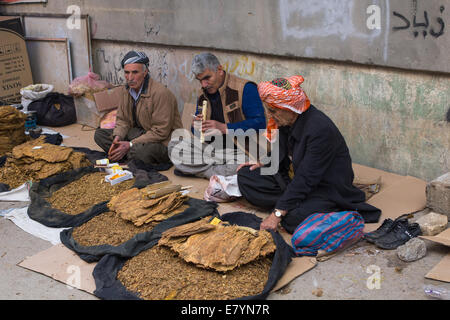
(106, 270)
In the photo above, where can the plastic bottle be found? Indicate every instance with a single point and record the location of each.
(437, 292)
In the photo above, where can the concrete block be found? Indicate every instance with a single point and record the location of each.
(432, 223)
(438, 194)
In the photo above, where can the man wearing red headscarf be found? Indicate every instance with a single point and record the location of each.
(315, 173)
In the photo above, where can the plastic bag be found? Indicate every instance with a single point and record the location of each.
(222, 189)
(108, 121)
(87, 84)
(34, 92)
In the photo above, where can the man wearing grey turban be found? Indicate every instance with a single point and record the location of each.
(147, 115)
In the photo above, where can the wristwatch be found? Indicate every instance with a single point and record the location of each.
(278, 213)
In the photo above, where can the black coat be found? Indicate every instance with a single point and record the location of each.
(322, 165)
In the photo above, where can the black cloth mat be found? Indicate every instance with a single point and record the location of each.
(108, 287)
(55, 138)
(197, 210)
(92, 155)
(41, 210)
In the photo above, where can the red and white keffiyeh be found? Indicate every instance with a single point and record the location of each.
(283, 93)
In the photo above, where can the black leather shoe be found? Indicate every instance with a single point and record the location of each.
(400, 233)
(385, 227)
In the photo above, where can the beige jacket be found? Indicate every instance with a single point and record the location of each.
(156, 112)
(231, 95)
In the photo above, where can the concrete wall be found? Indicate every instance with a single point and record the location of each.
(367, 80)
(409, 34)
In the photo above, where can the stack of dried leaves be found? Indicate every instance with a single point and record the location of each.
(135, 205)
(35, 160)
(12, 128)
(109, 228)
(113, 229)
(201, 261)
(81, 194)
(220, 247)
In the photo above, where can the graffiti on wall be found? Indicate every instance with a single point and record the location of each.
(420, 23)
(110, 68)
(241, 66)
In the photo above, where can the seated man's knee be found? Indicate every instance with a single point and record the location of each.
(98, 136)
(103, 138)
(247, 177)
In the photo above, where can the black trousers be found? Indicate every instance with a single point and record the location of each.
(265, 190)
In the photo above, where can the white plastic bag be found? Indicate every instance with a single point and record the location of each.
(34, 92)
(222, 189)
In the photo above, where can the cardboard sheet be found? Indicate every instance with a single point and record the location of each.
(296, 268)
(398, 194)
(442, 238)
(441, 271)
(62, 264)
(108, 100)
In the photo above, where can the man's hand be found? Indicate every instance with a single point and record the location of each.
(118, 150)
(252, 164)
(197, 122)
(270, 223)
(212, 126)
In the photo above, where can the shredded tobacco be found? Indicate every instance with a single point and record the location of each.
(81, 194)
(158, 274)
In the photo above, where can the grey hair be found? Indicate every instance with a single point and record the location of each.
(204, 61)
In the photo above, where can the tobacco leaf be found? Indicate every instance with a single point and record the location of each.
(221, 248)
(132, 205)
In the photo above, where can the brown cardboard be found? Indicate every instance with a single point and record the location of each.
(441, 271)
(77, 137)
(108, 100)
(398, 194)
(87, 113)
(442, 238)
(296, 268)
(62, 264)
(15, 70)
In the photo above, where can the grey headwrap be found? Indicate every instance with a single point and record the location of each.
(135, 57)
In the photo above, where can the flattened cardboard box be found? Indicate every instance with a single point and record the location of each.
(87, 113)
(63, 265)
(108, 100)
(398, 194)
(15, 70)
(441, 271)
